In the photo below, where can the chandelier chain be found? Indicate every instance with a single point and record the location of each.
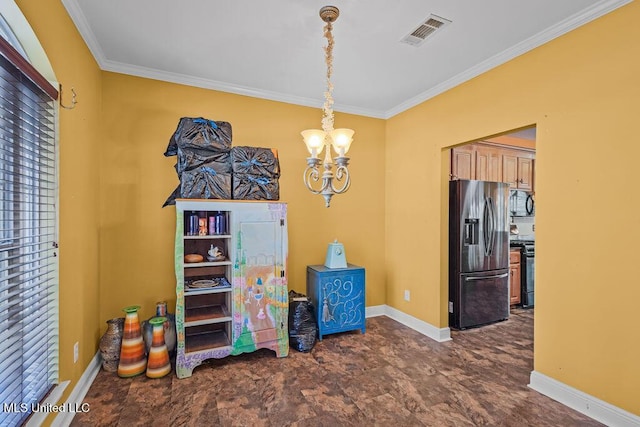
(327, 119)
(330, 176)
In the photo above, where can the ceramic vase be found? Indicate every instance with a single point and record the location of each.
(169, 328)
(132, 359)
(158, 364)
(110, 344)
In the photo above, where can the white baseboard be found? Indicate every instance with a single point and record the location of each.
(79, 392)
(582, 402)
(374, 311)
(38, 418)
(427, 329)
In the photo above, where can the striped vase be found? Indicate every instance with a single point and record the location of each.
(132, 358)
(158, 364)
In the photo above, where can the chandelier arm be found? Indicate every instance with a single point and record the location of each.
(342, 175)
(311, 176)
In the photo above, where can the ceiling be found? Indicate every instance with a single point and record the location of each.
(274, 49)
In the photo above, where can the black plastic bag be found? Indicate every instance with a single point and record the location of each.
(171, 200)
(220, 161)
(303, 328)
(255, 187)
(205, 183)
(255, 161)
(200, 133)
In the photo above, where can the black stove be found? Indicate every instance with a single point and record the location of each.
(527, 246)
(528, 250)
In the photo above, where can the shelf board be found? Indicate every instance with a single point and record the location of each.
(207, 321)
(208, 236)
(204, 291)
(206, 341)
(206, 264)
(206, 314)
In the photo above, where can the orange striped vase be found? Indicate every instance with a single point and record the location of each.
(158, 364)
(132, 359)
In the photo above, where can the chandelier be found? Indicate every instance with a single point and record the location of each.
(316, 140)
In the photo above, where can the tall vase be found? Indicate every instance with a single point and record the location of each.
(169, 328)
(132, 359)
(110, 344)
(158, 364)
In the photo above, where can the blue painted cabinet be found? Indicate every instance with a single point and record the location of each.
(338, 295)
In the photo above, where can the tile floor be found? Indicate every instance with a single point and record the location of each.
(390, 376)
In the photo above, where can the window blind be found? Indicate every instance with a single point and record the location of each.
(28, 248)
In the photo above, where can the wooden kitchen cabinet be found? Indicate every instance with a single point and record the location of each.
(488, 164)
(525, 173)
(463, 162)
(514, 276)
(517, 169)
(491, 162)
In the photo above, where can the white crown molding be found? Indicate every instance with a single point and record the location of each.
(149, 73)
(563, 27)
(597, 10)
(582, 402)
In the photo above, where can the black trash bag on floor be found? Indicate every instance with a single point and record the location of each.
(303, 328)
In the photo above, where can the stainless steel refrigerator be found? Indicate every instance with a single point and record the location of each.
(478, 253)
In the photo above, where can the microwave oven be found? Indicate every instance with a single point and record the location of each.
(521, 203)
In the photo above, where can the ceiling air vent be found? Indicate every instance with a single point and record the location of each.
(428, 28)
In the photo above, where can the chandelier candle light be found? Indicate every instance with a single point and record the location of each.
(316, 140)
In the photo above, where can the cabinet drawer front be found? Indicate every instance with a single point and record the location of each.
(514, 257)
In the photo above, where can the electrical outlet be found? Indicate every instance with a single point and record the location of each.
(76, 351)
(407, 295)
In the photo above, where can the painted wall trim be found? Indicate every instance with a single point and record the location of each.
(582, 402)
(79, 392)
(374, 311)
(37, 418)
(426, 329)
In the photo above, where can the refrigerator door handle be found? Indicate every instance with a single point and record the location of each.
(489, 226)
(497, 276)
(485, 227)
(492, 219)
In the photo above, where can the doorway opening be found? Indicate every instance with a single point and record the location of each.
(507, 158)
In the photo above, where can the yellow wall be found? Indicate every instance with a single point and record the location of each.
(137, 234)
(582, 92)
(80, 138)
